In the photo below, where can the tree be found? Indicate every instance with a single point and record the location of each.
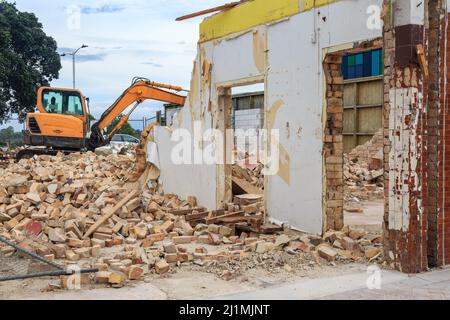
(28, 60)
(8, 137)
(126, 128)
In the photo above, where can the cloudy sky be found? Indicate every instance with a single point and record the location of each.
(126, 38)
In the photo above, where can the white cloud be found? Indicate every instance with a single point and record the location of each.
(126, 39)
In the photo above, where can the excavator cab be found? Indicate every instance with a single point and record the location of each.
(62, 120)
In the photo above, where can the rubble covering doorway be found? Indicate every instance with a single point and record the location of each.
(243, 109)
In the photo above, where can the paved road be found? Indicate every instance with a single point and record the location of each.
(394, 285)
(348, 286)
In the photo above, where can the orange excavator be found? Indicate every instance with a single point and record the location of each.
(63, 125)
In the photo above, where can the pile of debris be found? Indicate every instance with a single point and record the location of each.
(80, 209)
(363, 171)
(354, 244)
(7, 156)
(247, 174)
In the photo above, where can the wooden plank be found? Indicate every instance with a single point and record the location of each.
(243, 186)
(219, 212)
(182, 212)
(232, 220)
(228, 215)
(108, 215)
(212, 10)
(422, 60)
(196, 216)
(270, 228)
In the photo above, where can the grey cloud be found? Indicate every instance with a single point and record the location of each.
(83, 57)
(90, 57)
(107, 8)
(153, 64)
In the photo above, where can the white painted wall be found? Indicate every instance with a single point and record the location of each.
(294, 77)
(409, 12)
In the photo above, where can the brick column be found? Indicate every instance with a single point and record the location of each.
(439, 228)
(432, 206)
(404, 243)
(333, 143)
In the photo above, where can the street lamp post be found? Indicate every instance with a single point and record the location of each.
(73, 60)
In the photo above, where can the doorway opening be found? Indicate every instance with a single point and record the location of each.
(244, 118)
(363, 140)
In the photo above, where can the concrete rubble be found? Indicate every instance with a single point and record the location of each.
(364, 173)
(247, 176)
(7, 156)
(81, 209)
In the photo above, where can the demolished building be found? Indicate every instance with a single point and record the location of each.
(297, 48)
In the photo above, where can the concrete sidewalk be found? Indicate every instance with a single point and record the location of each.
(394, 285)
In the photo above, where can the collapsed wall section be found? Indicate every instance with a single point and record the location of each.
(283, 46)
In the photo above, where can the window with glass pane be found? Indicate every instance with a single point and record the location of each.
(53, 102)
(74, 105)
(62, 102)
(362, 65)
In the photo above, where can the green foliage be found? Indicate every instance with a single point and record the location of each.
(28, 60)
(126, 128)
(10, 138)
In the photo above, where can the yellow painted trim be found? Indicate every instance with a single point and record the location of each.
(253, 13)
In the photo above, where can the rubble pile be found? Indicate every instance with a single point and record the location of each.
(370, 152)
(363, 171)
(354, 244)
(7, 156)
(247, 174)
(80, 209)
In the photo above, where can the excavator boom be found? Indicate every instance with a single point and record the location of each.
(140, 90)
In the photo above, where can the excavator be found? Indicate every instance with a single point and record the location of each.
(63, 123)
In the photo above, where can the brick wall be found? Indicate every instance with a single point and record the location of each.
(440, 232)
(333, 143)
(404, 241)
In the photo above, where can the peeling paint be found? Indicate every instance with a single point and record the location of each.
(272, 113)
(403, 180)
(194, 93)
(259, 55)
(284, 171)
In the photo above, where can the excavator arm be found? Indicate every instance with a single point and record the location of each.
(140, 90)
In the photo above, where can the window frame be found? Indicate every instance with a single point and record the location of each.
(359, 63)
(65, 97)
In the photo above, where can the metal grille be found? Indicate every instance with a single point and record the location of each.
(19, 263)
(34, 126)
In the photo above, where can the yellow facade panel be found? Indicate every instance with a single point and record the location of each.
(253, 13)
